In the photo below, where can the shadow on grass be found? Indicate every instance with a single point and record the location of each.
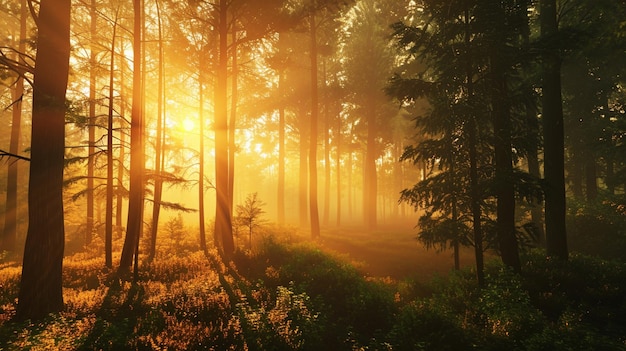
(121, 318)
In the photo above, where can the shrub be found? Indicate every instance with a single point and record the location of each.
(506, 310)
(351, 309)
(591, 289)
(290, 324)
(598, 228)
(422, 326)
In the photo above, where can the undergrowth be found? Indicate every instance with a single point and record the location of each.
(297, 297)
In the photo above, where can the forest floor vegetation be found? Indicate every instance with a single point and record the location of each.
(293, 294)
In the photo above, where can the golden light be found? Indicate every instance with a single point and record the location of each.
(188, 125)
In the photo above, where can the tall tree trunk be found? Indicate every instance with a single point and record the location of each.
(313, 208)
(120, 189)
(144, 75)
(108, 225)
(556, 236)
(370, 186)
(326, 149)
(158, 144)
(119, 201)
(303, 172)
(536, 212)
(201, 165)
(472, 131)
(223, 221)
(532, 126)
(91, 126)
(503, 152)
(281, 149)
(137, 164)
(338, 174)
(350, 191)
(231, 124)
(505, 191)
(41, 290)
(9, 232)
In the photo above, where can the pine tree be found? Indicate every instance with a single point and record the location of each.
(41, 289)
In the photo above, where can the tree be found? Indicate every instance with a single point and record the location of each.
(9, 232)
(121, 169)
(249, 214)
(199, 47)
(251, 22)
(552, 118)
(457, 77)
(108, 227)
(498, 22)
(201, 189)
(41, 282)
(91, 124)
(223, 218)
(137, 165)
(159, 155)
(591, 79)
(368, 65)
(281, 132)
(313, 206)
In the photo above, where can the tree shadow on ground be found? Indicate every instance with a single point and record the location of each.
(121, 318)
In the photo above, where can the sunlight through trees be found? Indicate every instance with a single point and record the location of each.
(482, 128)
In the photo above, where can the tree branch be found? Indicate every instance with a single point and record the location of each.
(4, 154)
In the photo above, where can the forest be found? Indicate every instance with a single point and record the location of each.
(312, 175)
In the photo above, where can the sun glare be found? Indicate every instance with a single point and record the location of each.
(188, 125)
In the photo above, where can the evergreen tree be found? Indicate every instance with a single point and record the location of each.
(552, 117)
(467, 53)
(41, 289)
(446, 48)
(137, 158)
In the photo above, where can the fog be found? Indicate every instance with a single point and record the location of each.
(312, 175)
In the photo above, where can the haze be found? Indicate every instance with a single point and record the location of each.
(267, 155)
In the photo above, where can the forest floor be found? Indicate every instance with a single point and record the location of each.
(391, 252)
(347, 290)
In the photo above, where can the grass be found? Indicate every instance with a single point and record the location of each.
(294, 294)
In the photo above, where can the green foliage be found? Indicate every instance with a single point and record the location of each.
(348, 304)
(288, 324)
(451, 52)
(575, 305)
(593, 287)
(296, 297)
(599, 227)
(583, 300)
(420, 326)
(506, 310)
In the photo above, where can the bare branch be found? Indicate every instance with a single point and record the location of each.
(4, 154)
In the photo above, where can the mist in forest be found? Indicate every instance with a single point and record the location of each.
(268, 107)
(360, 114)
(254, 171)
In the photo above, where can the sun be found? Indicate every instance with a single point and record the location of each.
(188, 125)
